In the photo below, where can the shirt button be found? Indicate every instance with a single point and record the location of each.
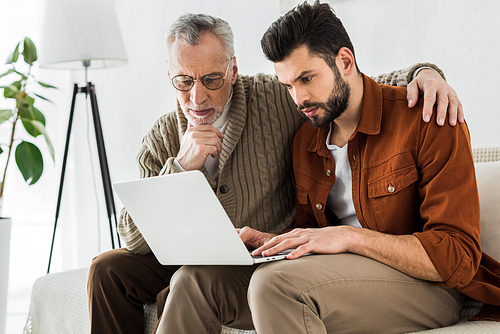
(391, 188)
(328, 172)
(224, 189)
(319, 206)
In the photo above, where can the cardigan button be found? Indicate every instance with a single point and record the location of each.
(224, 189)
(319, 206)
(328, 172)
(391, 188)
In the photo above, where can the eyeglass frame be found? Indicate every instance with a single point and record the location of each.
(201, 79)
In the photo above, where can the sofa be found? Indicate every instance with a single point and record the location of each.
(59, 303)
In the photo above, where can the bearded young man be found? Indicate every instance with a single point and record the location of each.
(388, 201)
(238, 130)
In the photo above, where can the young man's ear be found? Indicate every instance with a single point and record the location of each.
(345, 61)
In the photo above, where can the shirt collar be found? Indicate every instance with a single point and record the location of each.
(369, 123)
(371, 110)
(222, 120)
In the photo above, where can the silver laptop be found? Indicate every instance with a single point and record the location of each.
(183, 222)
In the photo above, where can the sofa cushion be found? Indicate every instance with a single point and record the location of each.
(488, 183)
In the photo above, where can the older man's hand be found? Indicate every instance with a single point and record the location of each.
(197, 144)
(252, 238)
(435, 90)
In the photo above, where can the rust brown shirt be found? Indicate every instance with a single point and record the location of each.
(408, 177)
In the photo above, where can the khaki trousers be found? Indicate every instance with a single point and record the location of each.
(342, 293)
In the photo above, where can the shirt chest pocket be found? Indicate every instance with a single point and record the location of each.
(393, 192)
(393, 182)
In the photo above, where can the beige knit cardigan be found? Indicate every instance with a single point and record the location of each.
(255, 164)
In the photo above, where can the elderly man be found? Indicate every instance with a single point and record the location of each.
(238, 130)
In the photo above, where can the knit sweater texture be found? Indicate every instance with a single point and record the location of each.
(255, 165)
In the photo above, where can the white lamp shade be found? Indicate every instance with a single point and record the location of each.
(81, 30)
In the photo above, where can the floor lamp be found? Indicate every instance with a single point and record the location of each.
(83, 34)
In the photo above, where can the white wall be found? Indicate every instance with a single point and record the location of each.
(460, 36)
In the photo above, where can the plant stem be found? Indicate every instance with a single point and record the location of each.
(2, 185)
(19, 105)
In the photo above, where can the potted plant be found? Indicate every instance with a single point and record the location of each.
(27, 155)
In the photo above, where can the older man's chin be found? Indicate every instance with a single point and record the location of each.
(200, 120)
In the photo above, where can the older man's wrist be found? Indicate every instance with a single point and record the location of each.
(415, 73)
(178, 166)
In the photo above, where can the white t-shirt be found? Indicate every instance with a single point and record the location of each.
(340, 197)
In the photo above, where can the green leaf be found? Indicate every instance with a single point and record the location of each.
(29, 161)
(9, 92)
(28, 100)
(43, 98)
(29, 51)
(29, 114)
(40, 127)
(17, 84)
(23, 76)
(46, 85)
(14, 56)
(8, 72)
(5, 114)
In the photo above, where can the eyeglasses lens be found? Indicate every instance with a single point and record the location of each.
(184, 82)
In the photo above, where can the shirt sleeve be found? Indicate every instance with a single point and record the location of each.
(158, 150)
(449, 202)
(404, 76)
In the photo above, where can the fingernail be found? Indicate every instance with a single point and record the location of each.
(441, 121)
(461, 119)
(410, 101)
(453, 121)
(427, 118)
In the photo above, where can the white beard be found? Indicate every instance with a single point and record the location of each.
(209, 119)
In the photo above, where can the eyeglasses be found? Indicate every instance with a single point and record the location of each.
(211, 81)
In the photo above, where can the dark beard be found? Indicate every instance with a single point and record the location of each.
(335, 106)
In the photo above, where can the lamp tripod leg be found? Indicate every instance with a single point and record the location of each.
(106, 179)
(63, 171)
(103, 161)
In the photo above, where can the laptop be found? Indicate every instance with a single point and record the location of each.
(183, 222)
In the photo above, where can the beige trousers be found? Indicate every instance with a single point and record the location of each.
(342, 293)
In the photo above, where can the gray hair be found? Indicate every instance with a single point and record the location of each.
(190, 27)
